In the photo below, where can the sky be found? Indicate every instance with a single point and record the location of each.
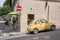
(1, 2)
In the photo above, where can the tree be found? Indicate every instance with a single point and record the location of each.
(0, 11)
(5, 10)
(7, 7)
(8, 2)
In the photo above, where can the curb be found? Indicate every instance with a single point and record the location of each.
(16, 36)
(10, 37)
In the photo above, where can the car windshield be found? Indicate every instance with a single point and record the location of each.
(37, 22)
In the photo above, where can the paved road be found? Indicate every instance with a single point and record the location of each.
(47, 35)
(2, 26)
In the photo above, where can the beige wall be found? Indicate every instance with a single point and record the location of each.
(39, 11)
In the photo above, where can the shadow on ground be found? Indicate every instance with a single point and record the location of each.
(42, 31)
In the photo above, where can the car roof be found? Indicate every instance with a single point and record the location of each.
(39, 19)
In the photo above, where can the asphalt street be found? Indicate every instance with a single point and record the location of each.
(46, 35)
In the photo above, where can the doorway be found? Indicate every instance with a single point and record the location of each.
(30, 17)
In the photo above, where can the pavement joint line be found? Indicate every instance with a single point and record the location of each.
(47, 37)
(35, 38)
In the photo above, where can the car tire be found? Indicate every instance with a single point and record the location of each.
(35, 31)
(53, 28)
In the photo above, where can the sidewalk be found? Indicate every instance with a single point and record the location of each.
(14, 35)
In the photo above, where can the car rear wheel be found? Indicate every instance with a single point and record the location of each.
(35, 31)
(53, 28)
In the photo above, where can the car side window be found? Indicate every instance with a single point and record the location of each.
(37, 22)
(43, 21)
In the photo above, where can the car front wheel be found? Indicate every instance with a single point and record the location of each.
(35, 31)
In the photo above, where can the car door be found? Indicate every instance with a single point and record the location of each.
(38, 25)
(41, 26)
(46, 24)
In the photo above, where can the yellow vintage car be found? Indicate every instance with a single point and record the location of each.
(39, 25)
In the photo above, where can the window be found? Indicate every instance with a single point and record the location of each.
(30, 18)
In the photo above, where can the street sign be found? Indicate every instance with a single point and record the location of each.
(19, 8)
